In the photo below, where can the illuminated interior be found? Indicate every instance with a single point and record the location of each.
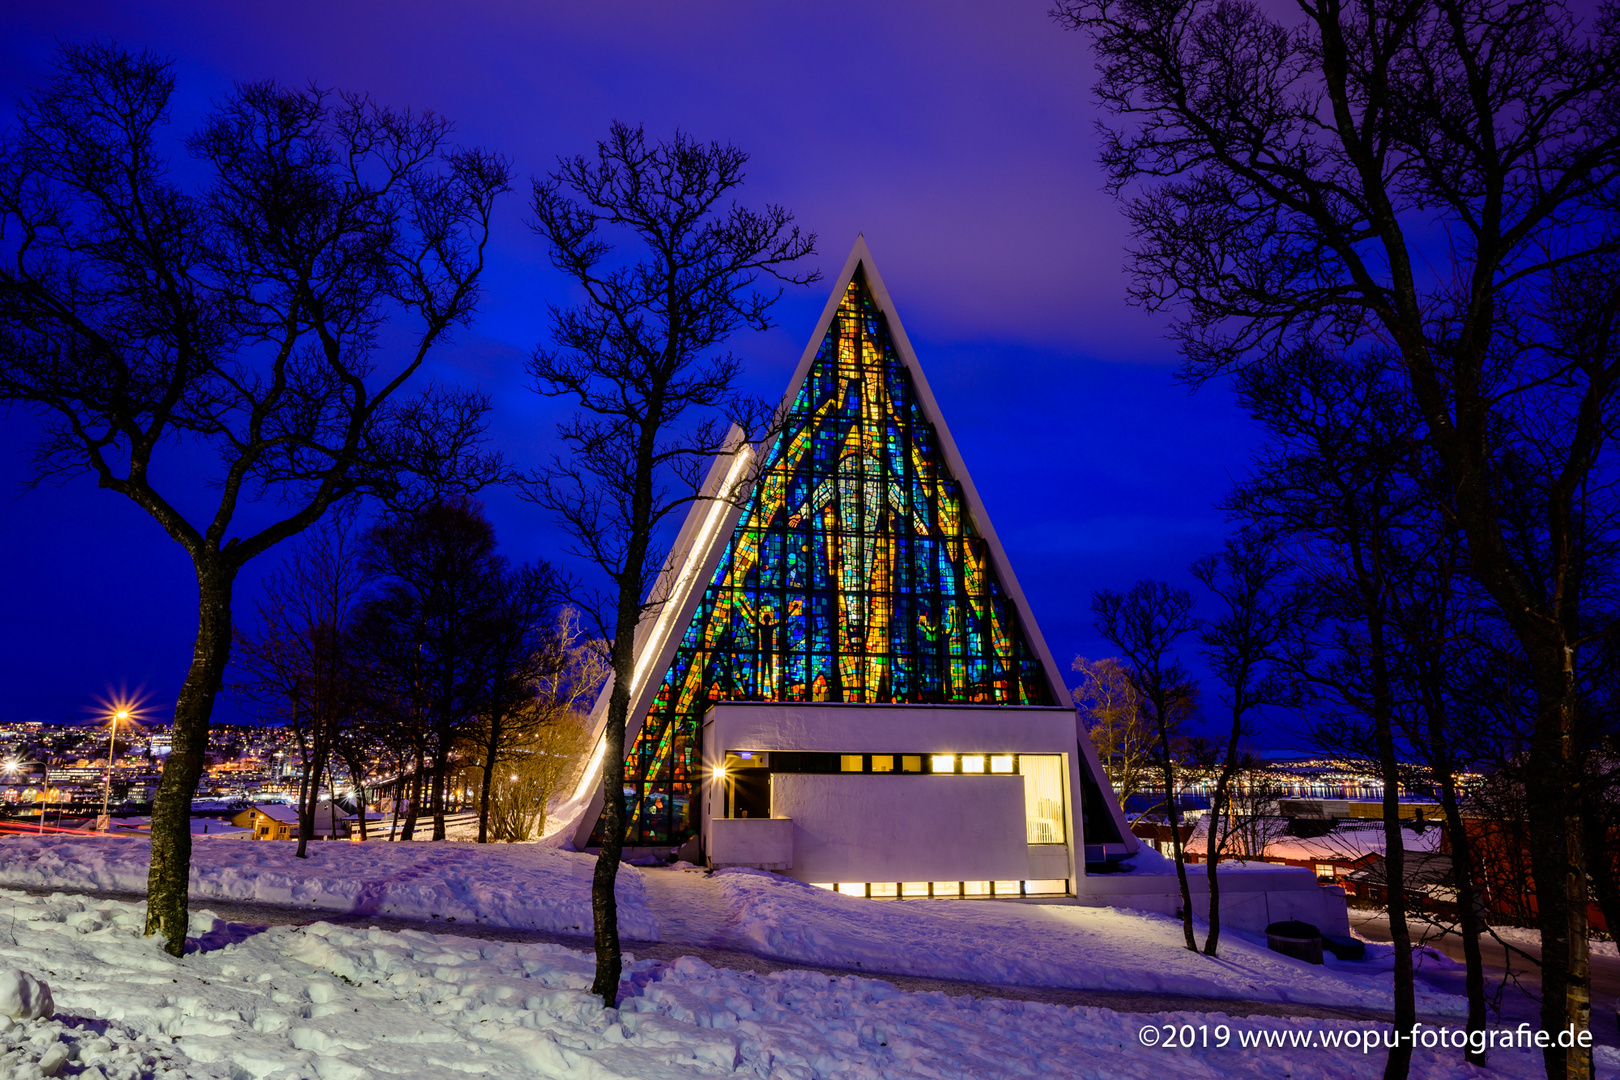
(855, 574)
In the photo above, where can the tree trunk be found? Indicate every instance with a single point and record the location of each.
(1213, 849)
(302, 851)
(1552, 782)
(1399, 1062)
(489, 782)
(604, 904)
(169, 878)
(1172, 810)
(399, 797)
(441, 765)
(415, 800)
(1470, 909)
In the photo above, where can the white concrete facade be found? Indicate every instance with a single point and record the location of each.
(864, 827)
(1251, 896)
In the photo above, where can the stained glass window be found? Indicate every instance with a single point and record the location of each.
(855, 574)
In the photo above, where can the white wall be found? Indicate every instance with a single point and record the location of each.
(865, 827)
(1251, 897)
(888, 827)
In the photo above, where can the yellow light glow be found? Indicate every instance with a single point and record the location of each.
(1001, 763)
(122, 707)
(944, 763)
(973, 763)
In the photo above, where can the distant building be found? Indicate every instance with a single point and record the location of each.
(279, 821)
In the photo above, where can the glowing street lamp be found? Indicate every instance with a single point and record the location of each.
(120, 711)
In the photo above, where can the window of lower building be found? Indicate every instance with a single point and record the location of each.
(975, 888)
(1001, 763)
(914, 888)
(1048, 887)
(947, 888)
(852, 888)
(883, 763)
(1325, 871)
(911, 762)
(943, 763)
(1043, 797)
(851, 763)
(884, 889)
(973, 763)
(1007, 888)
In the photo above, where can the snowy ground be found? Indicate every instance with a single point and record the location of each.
(529, 886)
(518, 885)
(1042, 945)
(347, 1004)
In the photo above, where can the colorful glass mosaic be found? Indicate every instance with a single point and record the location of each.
(855, 574)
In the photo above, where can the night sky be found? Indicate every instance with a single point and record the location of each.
(957, 136)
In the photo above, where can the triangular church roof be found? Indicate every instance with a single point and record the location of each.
(759, 604)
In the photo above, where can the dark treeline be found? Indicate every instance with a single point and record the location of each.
(1440, 413)
(411, 654)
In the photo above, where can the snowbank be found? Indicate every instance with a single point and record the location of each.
(517, 885)
(1039, 945)
(346, 1004)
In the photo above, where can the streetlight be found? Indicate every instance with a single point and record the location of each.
(112, 742)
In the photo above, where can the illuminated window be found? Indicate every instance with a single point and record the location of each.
(1006, 888)
(973, 763)
(943, 763)
(850, 763)
(884, 889)
(911, 762)
(914, 888)
(1043, 797)
(947, 888)
(1050, 887)
(829, 886)
(1001, 763)
(852, 888)
(975, 888)
(1325, 871)
(883, 763)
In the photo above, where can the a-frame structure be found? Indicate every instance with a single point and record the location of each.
(861, 568)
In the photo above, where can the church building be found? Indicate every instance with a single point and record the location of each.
(845, 683)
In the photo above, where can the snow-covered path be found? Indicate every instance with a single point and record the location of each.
(1008, 944)
(532, 887)
(343, 1003)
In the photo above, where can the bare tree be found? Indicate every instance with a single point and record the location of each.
(1334, 482)
(639, 355)
(296, 660)
(240, 321)
(1143, 624)
(1124, 738)
(521, 648)
(1295, 164)
(443, 632)
(546, 756)
(1259, 611)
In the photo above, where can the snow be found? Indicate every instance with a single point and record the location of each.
(349, 1003)
(515, 885)
(1040, 945)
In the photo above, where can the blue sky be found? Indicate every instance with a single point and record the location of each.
(957, 136)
